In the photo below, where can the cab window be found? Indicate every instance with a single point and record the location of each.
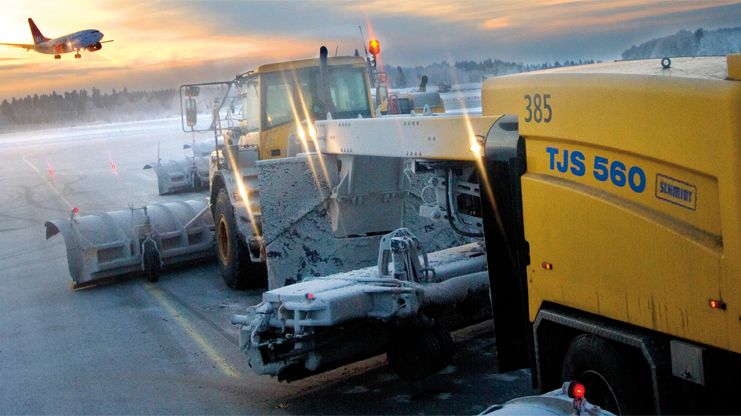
(348, 92)
(251, 105)
(277, 101)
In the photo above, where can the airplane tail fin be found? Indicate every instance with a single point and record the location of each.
(37, 36)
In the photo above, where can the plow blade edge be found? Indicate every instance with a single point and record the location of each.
(106, 245)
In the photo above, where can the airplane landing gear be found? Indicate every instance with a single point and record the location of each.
(78, 56)
(57, 56)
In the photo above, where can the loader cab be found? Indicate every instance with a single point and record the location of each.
(277, 97)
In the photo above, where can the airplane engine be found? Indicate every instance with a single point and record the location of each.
(92, 48)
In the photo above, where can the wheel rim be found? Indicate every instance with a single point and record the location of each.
(222, 241)
(600, 391)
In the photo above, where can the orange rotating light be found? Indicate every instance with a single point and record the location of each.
(374, 47)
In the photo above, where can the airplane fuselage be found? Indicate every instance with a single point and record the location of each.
(84, 39)
(89, 40)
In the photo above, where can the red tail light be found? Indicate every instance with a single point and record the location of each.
(578, 391)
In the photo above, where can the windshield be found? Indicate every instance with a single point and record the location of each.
(348, 95)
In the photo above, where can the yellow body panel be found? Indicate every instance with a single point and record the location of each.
(633, 192)
(355, 61)
(274, 142)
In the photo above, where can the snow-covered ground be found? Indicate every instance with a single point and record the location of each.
(90, 131)
(461, 97)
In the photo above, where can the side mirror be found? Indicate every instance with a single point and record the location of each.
(191, 112)
(192, 91)
(202, 95)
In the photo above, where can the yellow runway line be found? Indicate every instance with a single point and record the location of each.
(48, 183)
(212, 354)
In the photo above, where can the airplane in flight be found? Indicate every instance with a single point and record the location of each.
(85, 39)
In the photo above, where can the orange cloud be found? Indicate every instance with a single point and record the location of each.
(496, 23)
(148, 39)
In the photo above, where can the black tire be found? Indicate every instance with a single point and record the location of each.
(417, 352)
(233, 258)
(152, 264)
(611, 380)
(197, 183)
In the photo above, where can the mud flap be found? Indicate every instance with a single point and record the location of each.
(106, 245)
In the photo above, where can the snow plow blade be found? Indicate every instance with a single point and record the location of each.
(187, 175)
(106, 245)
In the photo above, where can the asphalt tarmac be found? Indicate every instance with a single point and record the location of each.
(133, 347)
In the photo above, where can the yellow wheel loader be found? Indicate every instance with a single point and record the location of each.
(293, 225)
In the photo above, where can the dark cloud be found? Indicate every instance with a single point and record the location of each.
(549, 31)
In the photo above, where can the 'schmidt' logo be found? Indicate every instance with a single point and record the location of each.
(676, 192)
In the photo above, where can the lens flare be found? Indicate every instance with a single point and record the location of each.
(244, 192)
(50, 172)
(476, 148)
(312, 131)
(114, 166)
(51, 184)
(300, 129)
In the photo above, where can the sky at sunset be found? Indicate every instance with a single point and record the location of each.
(162, 44)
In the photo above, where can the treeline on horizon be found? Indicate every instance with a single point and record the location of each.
(701, 42)
(466, 71)
(80, 107)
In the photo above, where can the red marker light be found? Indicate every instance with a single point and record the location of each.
(374, 47)
(717, 304)
(310, 296)
(114, 167)
(578, 391)
(75, 210)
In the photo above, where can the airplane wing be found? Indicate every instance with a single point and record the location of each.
(25, 46)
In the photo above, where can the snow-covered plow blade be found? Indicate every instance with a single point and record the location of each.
(403, 306)
(333, 226)
(145, 239)
(186, 175)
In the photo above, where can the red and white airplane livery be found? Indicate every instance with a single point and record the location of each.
(89, 39)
